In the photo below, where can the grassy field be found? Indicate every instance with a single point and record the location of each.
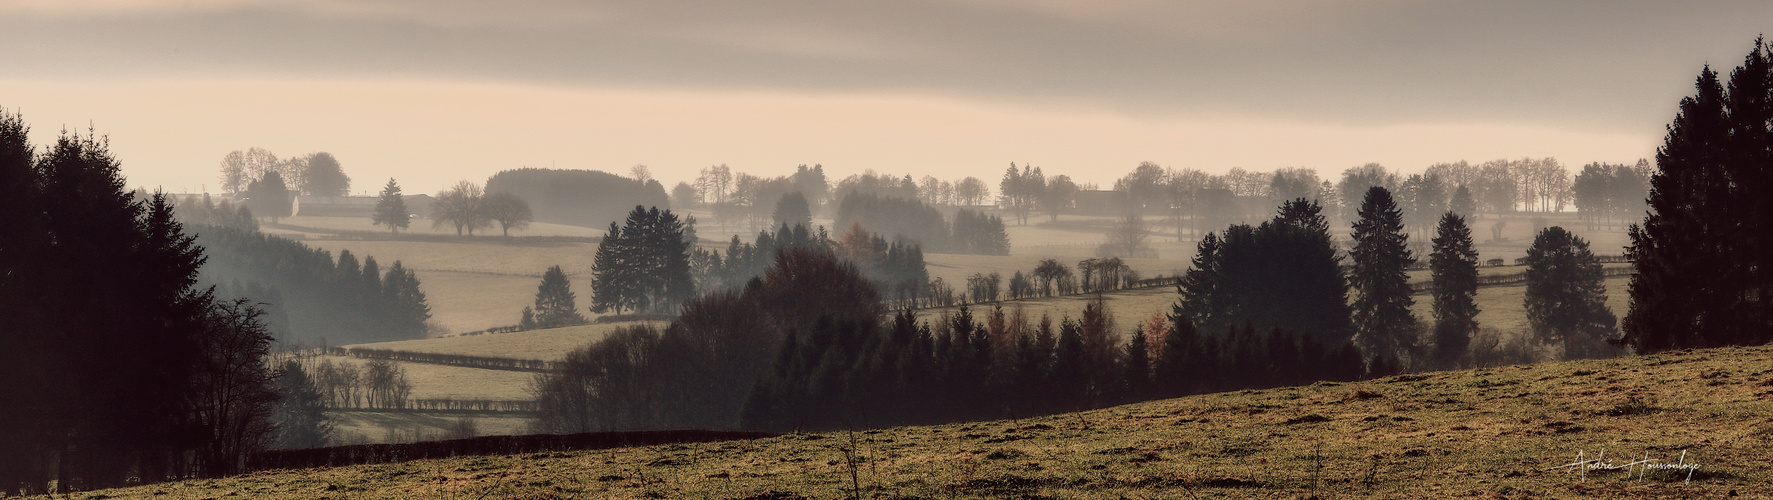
(484, 282)
(450, 382)
(1492, 433)
(1501, 309)
(550, 344)
(323, 226)
(364, 427)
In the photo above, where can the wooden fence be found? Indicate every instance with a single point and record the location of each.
(464, 361)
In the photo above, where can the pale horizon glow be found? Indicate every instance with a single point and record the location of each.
(171, 134)
(431, 92)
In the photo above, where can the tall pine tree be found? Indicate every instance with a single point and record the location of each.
(1454, 267)
(391, 209)
(1383, 322)
(1703, 272)
(555, 305)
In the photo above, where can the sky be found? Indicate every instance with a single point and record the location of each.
(430, 92)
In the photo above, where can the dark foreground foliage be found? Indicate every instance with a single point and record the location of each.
(338, 456)
(114, 366)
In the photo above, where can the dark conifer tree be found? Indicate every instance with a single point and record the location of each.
(391, 209)
(106, 339)
(643, 265)
(1566, 297)
(370, 283)
(1201, 286)
(1137, 370)
(300, 413)
(1299, 285)
(1701, 255)
(1179, 367)
(1385, 327)
(1070, 376)
(555, 305)
(25, 371)
(407, 308)
(793, 210)
(1462, 203)
(1454, 267)
(613, 282)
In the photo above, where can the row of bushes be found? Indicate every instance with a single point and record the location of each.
(1513, 279)
(459, 360)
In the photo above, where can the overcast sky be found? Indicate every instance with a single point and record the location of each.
(434, 91)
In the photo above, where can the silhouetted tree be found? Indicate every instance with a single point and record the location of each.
(1462, 203)
(508, 210)
(300, 413)
(1454, 267)
(793, 210)
(642, 266)
(269, 197)
(811, 183)
(1702, 256)
(405, 303)
(1357, 181)
(1383, 323)
(232, 394)
(86, 267)
(461, 206)
(555, 306)
(1566, 297)
(1019, 190)
(1137, 370)
(391, 209)
(322, 176)
(978, 233)
(1057, 196)
(1283, 274)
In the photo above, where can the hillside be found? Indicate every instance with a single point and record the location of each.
(1487, 433)
(484, 282)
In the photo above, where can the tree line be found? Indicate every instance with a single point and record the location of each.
(314, 174)
(1610, 194)
(1702, 256)
(446, 359)
(1196, 202)
(806, 347)
(576, 197)
(742, 198)
(466, 207)
(649, 264)
(314, 297)
(117, 366)
(379, 383)
(971, 232)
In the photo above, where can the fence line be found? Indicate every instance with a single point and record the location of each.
(448, 405)
(1421, 287)
(458, 360)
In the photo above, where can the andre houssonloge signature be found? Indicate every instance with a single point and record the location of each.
(1640, 466)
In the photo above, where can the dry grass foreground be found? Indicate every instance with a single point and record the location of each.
(1489, 433)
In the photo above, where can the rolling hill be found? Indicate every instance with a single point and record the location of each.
(1705, 416)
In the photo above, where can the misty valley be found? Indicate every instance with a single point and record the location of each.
(1404, 331)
